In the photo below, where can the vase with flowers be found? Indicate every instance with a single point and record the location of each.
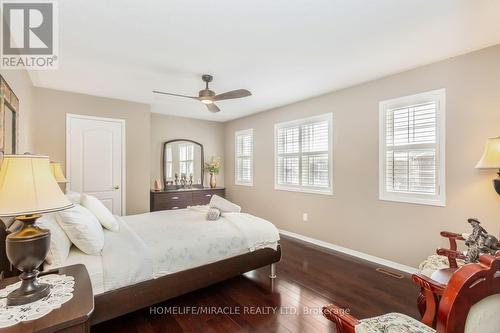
(213, 167)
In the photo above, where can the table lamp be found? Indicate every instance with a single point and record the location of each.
(491, 159)
(27, 190)
(56, 169)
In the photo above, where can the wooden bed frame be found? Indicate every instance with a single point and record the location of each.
(121, 301)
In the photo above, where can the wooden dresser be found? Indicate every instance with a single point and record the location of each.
(181, 198)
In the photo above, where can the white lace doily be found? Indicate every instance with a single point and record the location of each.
(61, 291)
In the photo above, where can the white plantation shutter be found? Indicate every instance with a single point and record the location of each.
(303, 155)
(186, 159)
(243, 157)
(411, 152)
(169, 163)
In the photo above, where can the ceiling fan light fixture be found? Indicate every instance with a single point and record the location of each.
(209, 97)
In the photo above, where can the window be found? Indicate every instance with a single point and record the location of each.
(168, 163)
(186, 159)
(303, 155)
(243, 164)
(411, 150)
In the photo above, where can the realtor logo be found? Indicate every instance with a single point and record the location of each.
(29, 35)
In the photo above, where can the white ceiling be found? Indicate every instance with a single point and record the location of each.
(281, 50)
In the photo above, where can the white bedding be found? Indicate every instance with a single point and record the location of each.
(92, 263)
(160, 243)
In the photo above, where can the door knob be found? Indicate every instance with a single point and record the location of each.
(116, 187)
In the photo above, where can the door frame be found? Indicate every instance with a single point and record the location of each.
(70, 116)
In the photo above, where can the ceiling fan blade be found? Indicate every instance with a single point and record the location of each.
(170, 94)
(233, 94)
(212, 108)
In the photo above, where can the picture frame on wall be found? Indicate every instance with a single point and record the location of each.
(9, 120)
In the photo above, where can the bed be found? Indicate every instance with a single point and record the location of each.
(160, 255)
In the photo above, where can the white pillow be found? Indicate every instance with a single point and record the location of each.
(74, 197)
(100, 211)
(59, 241)
(83, 228)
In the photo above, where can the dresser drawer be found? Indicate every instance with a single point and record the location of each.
(203, 197)
(175, 200)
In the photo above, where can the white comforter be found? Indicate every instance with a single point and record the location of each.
(159, 243)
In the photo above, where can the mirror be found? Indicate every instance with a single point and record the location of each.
(9, 116)
(182, 164)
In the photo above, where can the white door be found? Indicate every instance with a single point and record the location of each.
(95, 159)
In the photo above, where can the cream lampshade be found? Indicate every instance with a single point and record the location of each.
(491, 159)
(56, 169)
(27, 186)
(27, 189)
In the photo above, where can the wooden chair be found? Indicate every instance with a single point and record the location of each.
(470, 303)
(444, 258)
(439, 271)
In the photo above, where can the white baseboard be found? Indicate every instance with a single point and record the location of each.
(380, 261)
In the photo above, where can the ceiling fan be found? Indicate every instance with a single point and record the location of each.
(208, 97)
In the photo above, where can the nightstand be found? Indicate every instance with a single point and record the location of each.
(72, 317)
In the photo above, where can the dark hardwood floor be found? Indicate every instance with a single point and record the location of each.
(308, 278)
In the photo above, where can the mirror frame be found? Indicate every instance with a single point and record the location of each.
(165, 186)
(8, 100)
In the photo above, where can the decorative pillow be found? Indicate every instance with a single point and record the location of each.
(213, 214)
(102, 213)
(74, 197)
(82, 228)
(392, 323)
(59, 241)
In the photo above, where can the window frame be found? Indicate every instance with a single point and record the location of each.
(439, 199)
(189, 163)
(300, 188)
(236, 134)
(169, 164)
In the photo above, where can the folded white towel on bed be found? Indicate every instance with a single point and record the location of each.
(213, 214)
(225, 206)
(258, 232)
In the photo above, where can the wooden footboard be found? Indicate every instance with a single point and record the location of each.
(118, 302)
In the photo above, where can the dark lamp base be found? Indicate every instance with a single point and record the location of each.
(496, 184)
(30, 291)
(26, 250)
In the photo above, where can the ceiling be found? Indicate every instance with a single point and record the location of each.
(281, 50)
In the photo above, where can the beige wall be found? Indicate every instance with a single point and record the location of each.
(354, 217)
(50, 134)
(20, 83)
(209, 133)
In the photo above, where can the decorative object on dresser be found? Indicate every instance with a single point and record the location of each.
(9, 119)
(72, 315)
(182, 165)
(157, 185)
(213, 167)
(491, 159)
(181, 198)
(28, 189)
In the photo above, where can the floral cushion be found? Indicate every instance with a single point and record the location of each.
(435, 262)
(392, 323)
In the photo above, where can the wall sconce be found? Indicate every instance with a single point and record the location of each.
(491, 159)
